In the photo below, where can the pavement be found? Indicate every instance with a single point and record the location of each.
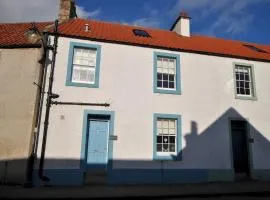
(199, 190)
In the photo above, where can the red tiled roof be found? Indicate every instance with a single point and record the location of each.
(13, 34)
(118, 33)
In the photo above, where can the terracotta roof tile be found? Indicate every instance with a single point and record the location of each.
(13, 34)
(119, 33)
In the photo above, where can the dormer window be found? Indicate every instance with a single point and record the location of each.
(254, 48)
(142, 33)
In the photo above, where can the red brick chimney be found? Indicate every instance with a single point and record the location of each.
(67, 10)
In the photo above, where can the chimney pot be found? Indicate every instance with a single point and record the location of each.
(86, 27)
(184, 14)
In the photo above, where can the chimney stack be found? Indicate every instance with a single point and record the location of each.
(182, 25)
(67, 10)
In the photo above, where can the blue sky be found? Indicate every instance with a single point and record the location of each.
(246, 20)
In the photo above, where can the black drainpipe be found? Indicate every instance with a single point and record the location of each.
(50, 96)
(41, 96)
(41, 84)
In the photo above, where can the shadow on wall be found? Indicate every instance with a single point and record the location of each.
(201, 148)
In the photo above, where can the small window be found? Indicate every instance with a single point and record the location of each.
(166, 75)
(83, 65)
(244, 81)
(166, 134)
(255, 48)
(142, 33)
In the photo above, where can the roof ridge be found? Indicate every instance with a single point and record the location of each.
(122, 24)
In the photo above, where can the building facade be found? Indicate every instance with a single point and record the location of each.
(180, 114)
(21, 78)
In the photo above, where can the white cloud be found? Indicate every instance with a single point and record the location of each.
(36, 10)
(150, 18)
(146, 22)
(28, 10)
(82, 13)
(232, 15)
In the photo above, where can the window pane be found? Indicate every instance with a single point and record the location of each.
(242, 91)
(165, 70)
(172, 131)
(241, 76)
(171, 71)
(172, 139)
(159, 83)
(237, 76)
(171, 77)
(159, 147)
(171, 84)
(172, 148)
(159, 139)
(165, 130)
(165, 124)
(165, 77)
(165, 84)
(83, 74)
(165, 147)
(159, 124)
(160, 131)
(172, 123)
(241, 84)
(159, 76)
(246, 77)
(160, 70)
(247, 85)
(86, 57)
(75, 75)
(166, 66)
(165, 139)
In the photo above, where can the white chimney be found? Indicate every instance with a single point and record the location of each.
(182, 25)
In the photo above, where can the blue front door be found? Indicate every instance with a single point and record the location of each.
(97, 147)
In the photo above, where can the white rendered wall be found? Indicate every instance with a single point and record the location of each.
(126, 82)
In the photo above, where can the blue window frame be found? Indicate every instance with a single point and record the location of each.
(83, 65)
(166, 73)
(167, 137)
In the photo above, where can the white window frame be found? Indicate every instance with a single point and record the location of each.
(89, 67)
(252, 95)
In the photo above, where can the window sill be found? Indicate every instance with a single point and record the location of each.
(88, 85)
(161, 91)
(246, 98)
(167, 158)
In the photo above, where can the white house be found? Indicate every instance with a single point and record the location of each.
(181, 108)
